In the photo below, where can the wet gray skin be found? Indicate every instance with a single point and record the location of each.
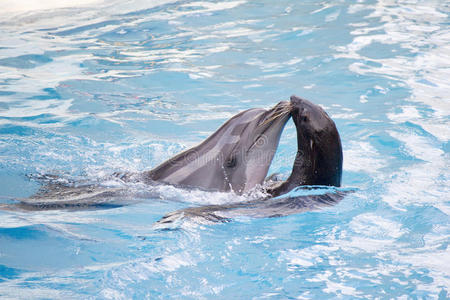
(234, 158)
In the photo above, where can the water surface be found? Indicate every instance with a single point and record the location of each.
(109, 86)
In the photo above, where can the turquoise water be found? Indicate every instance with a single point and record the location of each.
(114, 86)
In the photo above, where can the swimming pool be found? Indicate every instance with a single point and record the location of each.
(113, 86)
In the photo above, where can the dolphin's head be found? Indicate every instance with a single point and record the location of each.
(234, 158)
(257, 134)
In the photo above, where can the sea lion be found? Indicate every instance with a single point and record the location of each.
(319, 150)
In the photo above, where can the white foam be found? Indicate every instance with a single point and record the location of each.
(12, 6)
(418, 28)
(362, 157)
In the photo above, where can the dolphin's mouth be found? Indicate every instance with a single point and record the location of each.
(280, 111)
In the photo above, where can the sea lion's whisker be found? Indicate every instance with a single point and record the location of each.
(272, 118)
(282, 113)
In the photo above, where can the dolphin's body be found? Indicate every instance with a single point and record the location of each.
(234, 158)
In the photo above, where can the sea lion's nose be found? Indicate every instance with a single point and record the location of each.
(282, 105)
(296, 100)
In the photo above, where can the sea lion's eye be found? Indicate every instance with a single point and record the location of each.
(304, 118)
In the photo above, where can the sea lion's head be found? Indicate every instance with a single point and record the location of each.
(319, 151)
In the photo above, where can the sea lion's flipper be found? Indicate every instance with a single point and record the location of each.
(288, 204)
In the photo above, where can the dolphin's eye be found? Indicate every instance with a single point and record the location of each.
(230, 162)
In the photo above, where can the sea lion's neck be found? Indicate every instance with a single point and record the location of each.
(316, 163)
(302, 173)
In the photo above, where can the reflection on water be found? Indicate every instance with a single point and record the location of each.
(104, 86)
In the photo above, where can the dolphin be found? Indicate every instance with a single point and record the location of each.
(234, 158)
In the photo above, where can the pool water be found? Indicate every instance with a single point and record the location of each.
(120, 86)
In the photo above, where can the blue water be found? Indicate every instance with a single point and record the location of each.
(111, 86)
